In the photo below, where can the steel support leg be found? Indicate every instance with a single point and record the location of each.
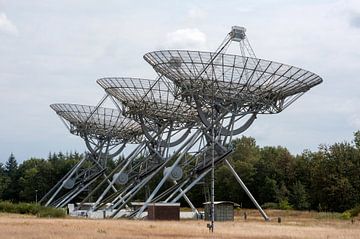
(247, 190)
(62, 184)
(193, 208)
(188, 144)
(112, 182)
(191, 185)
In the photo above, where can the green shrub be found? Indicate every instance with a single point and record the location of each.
(6, 206)
(51, 212)
(346, 215)
(270, 205)
(23, 208)
(284, 205)
(29, 208)
(329, 215)
(35, 208)
(354, 212)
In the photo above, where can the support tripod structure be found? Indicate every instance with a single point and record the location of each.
(182, 122)
(105, 133)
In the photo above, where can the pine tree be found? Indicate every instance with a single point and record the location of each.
(4, 181)
(11, 166)
(357, 139)
(11, 171)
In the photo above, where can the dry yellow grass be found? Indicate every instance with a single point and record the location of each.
(299, 225)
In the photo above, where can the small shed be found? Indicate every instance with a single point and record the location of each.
(224, 210)
(164, 211)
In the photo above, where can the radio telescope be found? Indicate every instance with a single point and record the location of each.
(166, 123)
(105, 132)
(183, 122)
(232, 84)
(225, 87)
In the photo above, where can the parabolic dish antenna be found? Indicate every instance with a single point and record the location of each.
(105, 132)
(98, 122)
(250, 84)
(151, 98)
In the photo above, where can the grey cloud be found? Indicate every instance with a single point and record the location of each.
(7, 26)
(355, 20)
(64, 46)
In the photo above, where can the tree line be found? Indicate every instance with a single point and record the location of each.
(325, 180)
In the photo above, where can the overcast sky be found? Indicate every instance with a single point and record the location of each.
(53, 51)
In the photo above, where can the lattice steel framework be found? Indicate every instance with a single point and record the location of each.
(105, 132)
(225, 88)
(98, 123)
(248, 84)
(166, 123)
(186, 118)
